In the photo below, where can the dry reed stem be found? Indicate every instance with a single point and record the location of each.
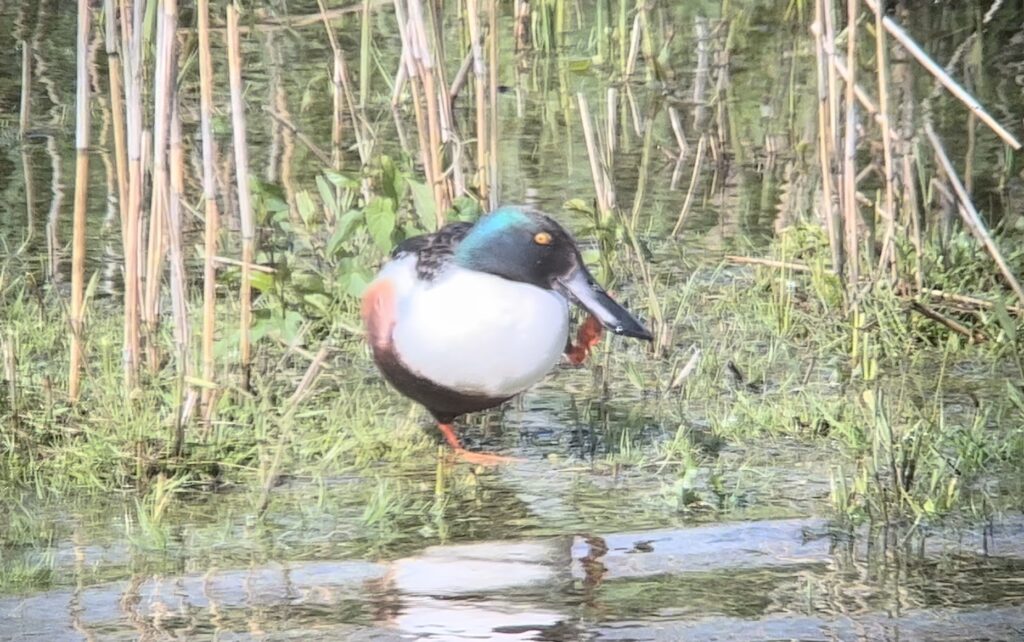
(321, 155)
(10, 355)
(179, 287)
(772, 263)
(970, 215)
(82, 114)
(25, 108)
(364, 58)
(972, 302)
(340, 78)
(882, 67)
(961, 299)
(244, 199)
(301, 391)
(117, 108)
(700, 74)
(492, 133)
(826, 136)
(955, 326)
(131, 47)
(415, 93)
(698, 160)
(677, 129)
(163, 81)
(483, 178)
(940, 74)
(211, 213)
(594, 155)
(255, 267)
(424, 60)
(850, 213)
(172, 221)
(461, 77)
(611, 126)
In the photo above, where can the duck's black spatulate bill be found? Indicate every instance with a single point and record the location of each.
(581, 285)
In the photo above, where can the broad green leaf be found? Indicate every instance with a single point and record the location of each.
(328, 197)
(355, 283)
(307, 210)
(1005, 321)
(392, 183)
(308, 281)
(466, 208)
(321, 302)
(261, 281)
(341, 180)
(346, 224)
(380, 221)
(578, 205)
(423, 202)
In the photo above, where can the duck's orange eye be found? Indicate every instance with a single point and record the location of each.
(542, 238)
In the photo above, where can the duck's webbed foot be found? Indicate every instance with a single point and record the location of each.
(588, 336)
(480, 459)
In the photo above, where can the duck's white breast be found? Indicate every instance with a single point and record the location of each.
(478, 333)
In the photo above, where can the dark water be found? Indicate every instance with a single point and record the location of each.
(539, 551)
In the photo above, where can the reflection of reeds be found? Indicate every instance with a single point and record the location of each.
(82, 123)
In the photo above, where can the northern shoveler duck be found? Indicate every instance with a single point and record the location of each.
(468, 317)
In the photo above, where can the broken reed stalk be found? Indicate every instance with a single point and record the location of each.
(698, 160)
(849, 193)
(131, 51)
(908, 43)
(601, 188)
(970, 215)
(212, 215)
(955, 326)
(81, 199)
(242, 181)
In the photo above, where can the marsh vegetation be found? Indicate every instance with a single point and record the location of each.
(814, 204)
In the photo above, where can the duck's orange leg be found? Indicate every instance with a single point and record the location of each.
(482, 459)
(588, 336)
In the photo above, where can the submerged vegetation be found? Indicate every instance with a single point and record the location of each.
(214, 343)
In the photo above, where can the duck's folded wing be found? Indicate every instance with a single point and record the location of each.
(432, 251)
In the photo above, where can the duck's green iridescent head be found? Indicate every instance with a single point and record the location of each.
(521, 244)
